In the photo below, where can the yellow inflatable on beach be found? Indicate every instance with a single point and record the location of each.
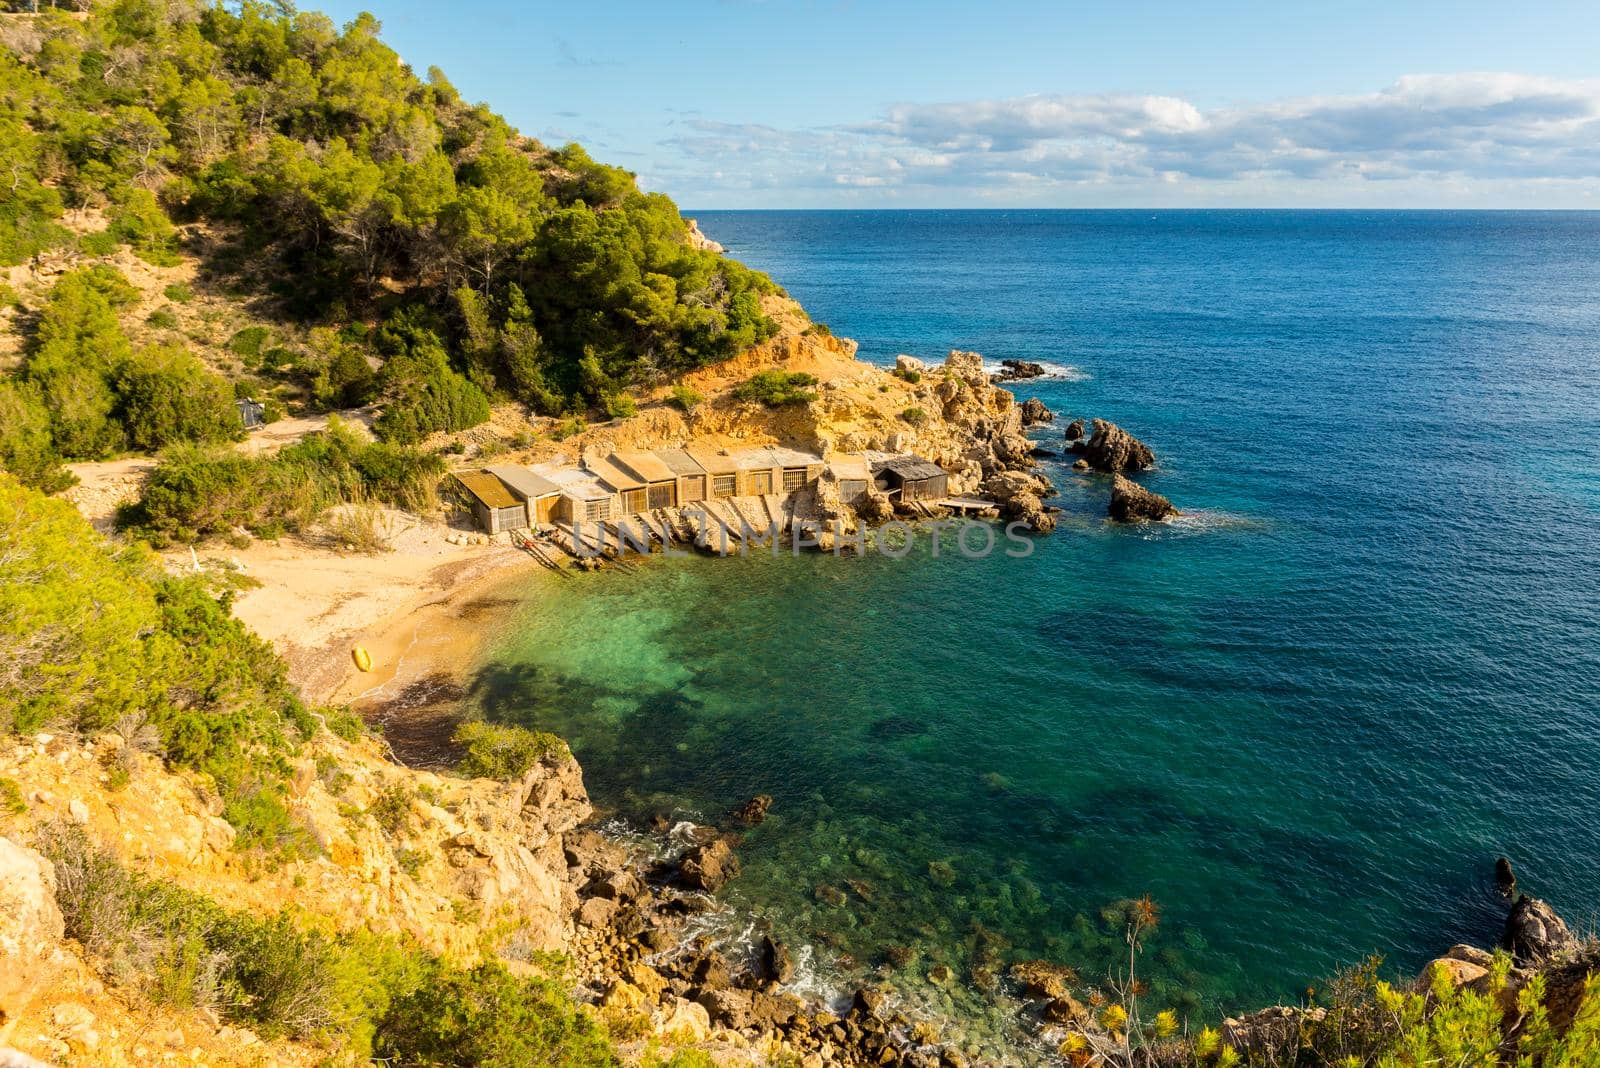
(362, 658)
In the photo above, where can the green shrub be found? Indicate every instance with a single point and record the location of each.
(27, 448)
(685, 399)
(247, 343)
(179, 292)
(162, 319)
(567, 428)
(421, 394)
(138, 221)
(620, 406)
(915, 416)
(819, 329)
(497, 751)
(167, 396)
(907, 374)
(777, 388)
(487, 1017)
(391, 809)
(11, 799)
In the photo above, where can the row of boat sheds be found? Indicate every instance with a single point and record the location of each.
(731, 484)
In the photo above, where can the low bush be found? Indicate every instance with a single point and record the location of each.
(361, 528)
(162, 319)
(179, 292)
(620, 406)
(685, 399)
(915, 416)
(487, 1016)
(11, 799)
(778, 388)
(499, 751)
(247, 342)
(907, 374)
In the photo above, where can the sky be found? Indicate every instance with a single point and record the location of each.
(900, 103)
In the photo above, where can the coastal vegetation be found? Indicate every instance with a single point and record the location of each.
(363, 996)
(197, 492)
(397, 244)
(778, 388)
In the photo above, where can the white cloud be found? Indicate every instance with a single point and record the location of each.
(1464, 136)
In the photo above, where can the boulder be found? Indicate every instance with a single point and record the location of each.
(31, 929)
(1005, 486)
(1074, 430)
(1535, 935)
(1035, 413)
(1080, 464)
(776, 963)
(1112, 449)
(1132, 503)
(754, 810)
(1270, 1034)
(909, 364)
(728, 1008)
(708, 867)
(966, 365)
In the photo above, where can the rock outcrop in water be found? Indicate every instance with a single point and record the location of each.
(1017, 371)
(1535, 935)
(1034, 413)
(1020, 495)
(1113, 450)
(1132, 503)
(1074, 431)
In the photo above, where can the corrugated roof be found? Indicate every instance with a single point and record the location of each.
(646, 465)
(613, 475)
(911, 468)
(487, 488)
(528, 483)
(680, 461)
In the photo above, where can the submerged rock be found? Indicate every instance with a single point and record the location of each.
(1034, 413)
(1505, 880)
(1042, 978)
(754, 810)
(1112, 449)
(1132, 503)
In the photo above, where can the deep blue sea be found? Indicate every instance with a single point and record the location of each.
(1306, 719)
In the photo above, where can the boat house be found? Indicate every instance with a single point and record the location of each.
(540, 495)
(914, 478)
(583, 497)
(631, 489)
(853, 474)
(721, 469)
(691, 476)
(661, 481)
(494, 506)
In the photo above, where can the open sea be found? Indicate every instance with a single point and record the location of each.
(1305, 719)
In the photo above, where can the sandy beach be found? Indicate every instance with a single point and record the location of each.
(409, 608)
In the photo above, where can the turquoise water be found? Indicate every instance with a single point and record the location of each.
(1305, 720)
